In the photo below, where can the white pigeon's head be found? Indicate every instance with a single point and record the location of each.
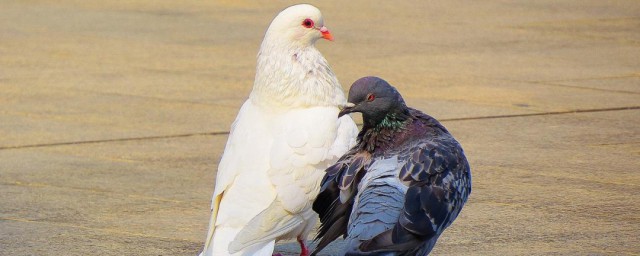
(300, 25)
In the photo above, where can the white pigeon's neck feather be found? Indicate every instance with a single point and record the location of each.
(294, 74)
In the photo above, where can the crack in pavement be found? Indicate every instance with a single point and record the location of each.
(105, 230)
(216, 133)
(114, 140)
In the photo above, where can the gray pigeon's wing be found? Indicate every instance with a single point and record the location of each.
(438, 177)
(336, 197)
(379, 203)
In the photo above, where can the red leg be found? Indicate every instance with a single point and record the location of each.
(304, 251)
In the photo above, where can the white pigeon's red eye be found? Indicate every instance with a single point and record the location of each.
(371, 97)
(307, 23)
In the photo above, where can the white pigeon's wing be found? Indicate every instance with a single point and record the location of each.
(273, 216)
(248, 134)
(308, 141)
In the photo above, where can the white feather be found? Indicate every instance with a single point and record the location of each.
(284, 137)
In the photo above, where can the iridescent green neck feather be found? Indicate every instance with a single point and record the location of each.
(391, 121)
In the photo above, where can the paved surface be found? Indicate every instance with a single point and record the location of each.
(114, 114)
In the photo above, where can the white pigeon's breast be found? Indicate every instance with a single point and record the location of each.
(295, 78)
(306, 136)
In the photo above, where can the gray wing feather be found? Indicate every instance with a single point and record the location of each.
(378, 205)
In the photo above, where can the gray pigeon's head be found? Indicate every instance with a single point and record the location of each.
(374, 98)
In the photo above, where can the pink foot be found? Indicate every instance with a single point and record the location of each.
(304, 251)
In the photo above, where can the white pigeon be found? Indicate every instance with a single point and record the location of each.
(284, 137)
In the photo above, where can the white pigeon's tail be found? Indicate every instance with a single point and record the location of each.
(223, 237)
(215, 206)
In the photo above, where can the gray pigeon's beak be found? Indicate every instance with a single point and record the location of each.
(346, 109)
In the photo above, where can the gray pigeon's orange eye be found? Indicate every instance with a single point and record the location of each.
(307, 23)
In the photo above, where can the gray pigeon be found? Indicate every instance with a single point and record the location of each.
(397, 190)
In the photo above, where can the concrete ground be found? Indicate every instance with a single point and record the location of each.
(114, 114)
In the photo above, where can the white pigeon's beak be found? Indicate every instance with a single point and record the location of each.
(326, 34)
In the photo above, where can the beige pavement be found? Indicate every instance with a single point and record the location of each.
(113, 116)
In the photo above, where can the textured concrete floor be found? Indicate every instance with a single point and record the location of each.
(113, 116)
